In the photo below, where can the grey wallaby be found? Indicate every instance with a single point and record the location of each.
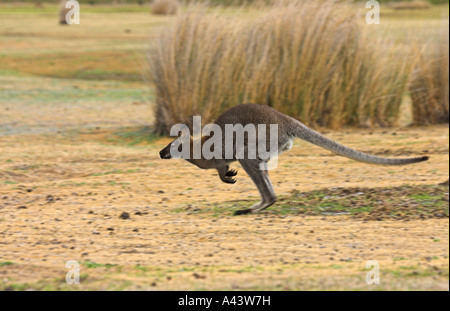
(288, 128)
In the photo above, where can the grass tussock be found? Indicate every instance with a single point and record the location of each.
(310, 59)
(165, 7)
(430, 85)
(63, 12)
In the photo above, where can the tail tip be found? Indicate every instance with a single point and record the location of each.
(425, 158)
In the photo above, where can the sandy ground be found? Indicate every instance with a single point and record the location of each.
(62, 195)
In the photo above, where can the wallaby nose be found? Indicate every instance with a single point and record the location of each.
(164, 154)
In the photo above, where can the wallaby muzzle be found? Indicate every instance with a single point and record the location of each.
(165, 153)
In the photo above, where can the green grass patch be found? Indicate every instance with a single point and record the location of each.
(92, 7)
(133, 137)
(5, 263)
(94, 65)
(115, 172)
(10, 182)
(398, 203)
(93, 265)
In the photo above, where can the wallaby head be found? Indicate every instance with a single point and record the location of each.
(166, 153)
(179, 144)
(252, 116)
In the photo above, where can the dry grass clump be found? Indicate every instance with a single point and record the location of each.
(430, 84)
(165, 7)
(309, 59)
(411, 5)
(63, 12)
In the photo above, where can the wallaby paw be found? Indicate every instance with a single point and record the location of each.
(243, 212)
(231, 173)
(229, 180)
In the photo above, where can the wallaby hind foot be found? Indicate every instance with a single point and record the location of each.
(257, 171)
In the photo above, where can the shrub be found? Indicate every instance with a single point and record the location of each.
(430, 85)
(63, 12)
(164, 7)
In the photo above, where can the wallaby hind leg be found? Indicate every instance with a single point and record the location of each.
(262, 182)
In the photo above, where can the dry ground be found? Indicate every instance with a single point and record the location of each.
(62, 196)
(75, 155)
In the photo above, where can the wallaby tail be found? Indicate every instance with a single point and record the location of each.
(305, 133)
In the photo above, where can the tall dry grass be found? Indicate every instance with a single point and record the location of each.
(309, 59)
(63, 12)
(430, 84)
(165, 7)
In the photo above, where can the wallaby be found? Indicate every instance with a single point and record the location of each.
(288, 128)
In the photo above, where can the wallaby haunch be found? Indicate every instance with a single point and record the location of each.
(256, 168)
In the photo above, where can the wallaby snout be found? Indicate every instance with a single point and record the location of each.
(165, 153)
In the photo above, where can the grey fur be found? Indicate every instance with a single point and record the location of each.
(288, 128)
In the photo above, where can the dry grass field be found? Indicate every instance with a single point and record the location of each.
(76, 154)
